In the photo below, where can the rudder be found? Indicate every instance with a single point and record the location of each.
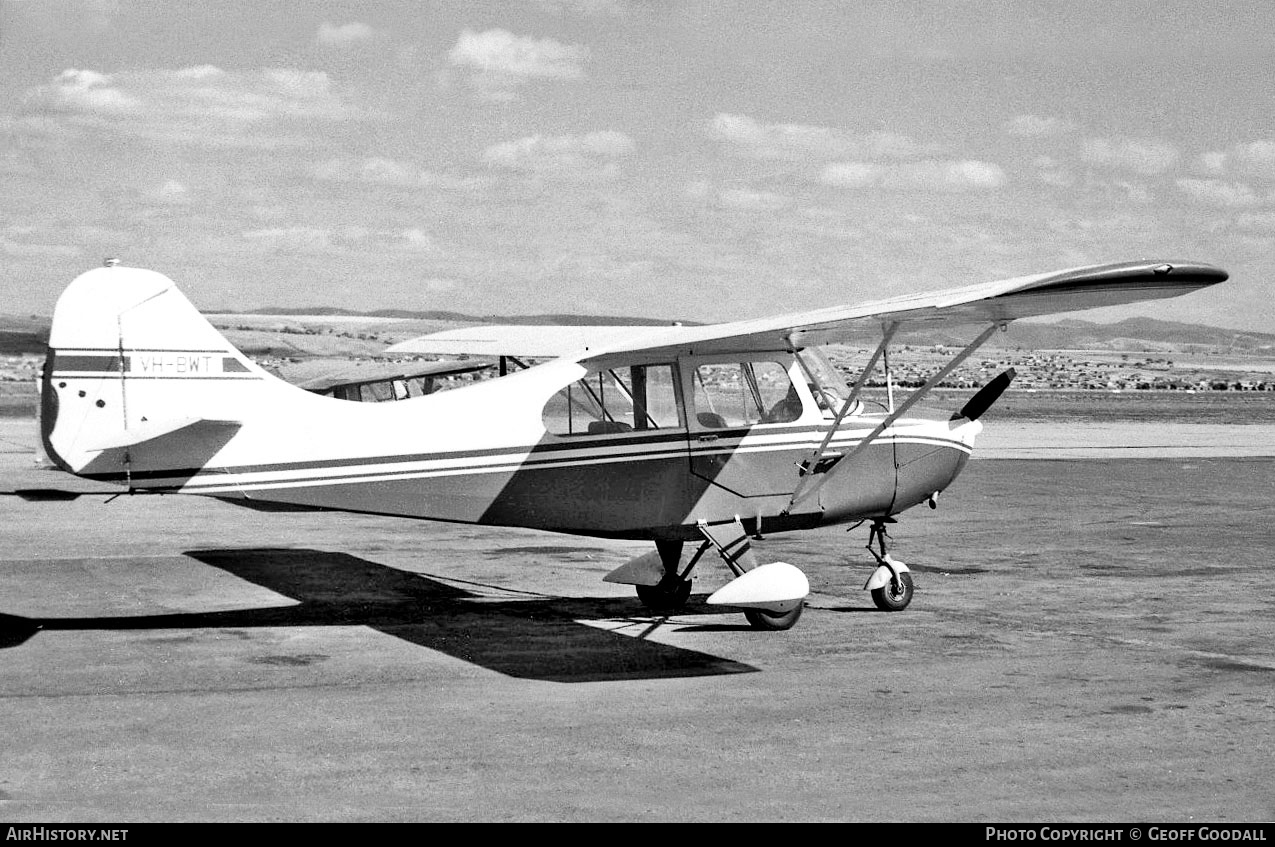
(137, 380)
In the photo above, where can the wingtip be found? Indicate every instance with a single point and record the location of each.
(1198, 271)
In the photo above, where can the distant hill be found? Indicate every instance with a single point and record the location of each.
(1134, 333)
(23, 334)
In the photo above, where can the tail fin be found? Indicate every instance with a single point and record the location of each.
(137, 381)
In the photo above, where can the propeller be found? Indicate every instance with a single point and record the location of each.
(986, 396)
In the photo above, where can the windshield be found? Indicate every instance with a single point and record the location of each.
(826, 383)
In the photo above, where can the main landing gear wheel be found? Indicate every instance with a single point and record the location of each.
(672, 592)
(774, 621)
(669, 596)
(895, 595)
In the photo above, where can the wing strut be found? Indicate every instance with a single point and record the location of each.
(811, 462)
(808, 485)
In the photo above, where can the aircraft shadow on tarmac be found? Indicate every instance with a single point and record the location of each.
(44, 495)
(539, 638)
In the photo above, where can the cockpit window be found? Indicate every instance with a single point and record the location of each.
(615, 400)
(732, 394)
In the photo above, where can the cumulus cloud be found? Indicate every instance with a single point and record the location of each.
(291, 238)
(438, 285)
(498, 62)
(774, 141)
(1051, 172)
(852, 174)
(1264, 221)
(926, 175)
(14, 161)
(200, 105)
(1255, 159)
(589, 8)
(1037, 126)
(416, 238)
(372, 169)
(593, 154)
(753, 201)
(332, 35)
(748, 137)
(1216, 192)
(738, 199)
(1250, 160)
(90, 91)
(1213, 162)
(169, 192)
(20, 249)
(379, 170)
(346, 239)
(1134, 192)
(1140, 155)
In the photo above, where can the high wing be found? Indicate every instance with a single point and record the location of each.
(1087, 287)
(1006, 300)
(327, 374)
(521, 340)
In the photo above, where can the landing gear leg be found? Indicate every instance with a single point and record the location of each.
(891, 583)
(672, 592)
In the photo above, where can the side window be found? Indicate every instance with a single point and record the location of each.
(780, 401)
(615, 400)
(734, 394)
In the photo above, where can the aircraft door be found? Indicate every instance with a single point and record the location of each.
(749, 424)
(613, 460)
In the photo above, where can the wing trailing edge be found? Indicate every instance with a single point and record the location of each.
(521, 340)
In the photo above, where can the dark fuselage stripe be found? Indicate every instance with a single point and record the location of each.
(231, 479)
(247, 377)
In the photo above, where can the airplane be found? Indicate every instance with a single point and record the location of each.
(699, 439)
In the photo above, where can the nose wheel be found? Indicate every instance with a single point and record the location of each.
(895, 595)
(891, 582)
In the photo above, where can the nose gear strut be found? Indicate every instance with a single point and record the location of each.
(891, 582)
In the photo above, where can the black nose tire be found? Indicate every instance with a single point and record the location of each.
(890, 598)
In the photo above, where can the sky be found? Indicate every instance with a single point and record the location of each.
(701, 161)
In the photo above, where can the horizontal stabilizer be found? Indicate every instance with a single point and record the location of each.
(149, 431)
(647, 569)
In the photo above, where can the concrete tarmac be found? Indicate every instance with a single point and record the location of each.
(1091, 640)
